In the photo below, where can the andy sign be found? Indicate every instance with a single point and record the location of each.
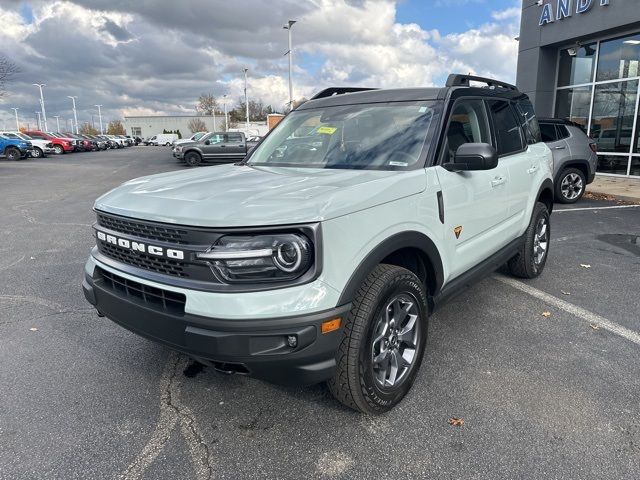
(565, 8)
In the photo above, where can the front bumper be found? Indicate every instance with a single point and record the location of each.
(178, 155)
(258, 347)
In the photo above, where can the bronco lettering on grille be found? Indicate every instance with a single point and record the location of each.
(140, 247)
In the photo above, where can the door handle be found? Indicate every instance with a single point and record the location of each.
(498, 181)
(559, 148)
(533, 169)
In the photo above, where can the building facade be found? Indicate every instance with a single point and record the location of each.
(580, 60)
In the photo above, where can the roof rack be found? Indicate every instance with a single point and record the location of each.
(459, 80)
(331, 91)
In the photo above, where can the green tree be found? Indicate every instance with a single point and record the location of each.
(179, 134)
(115, 127)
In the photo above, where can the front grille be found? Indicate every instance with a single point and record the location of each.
(166, 266)
(156, 298)
(145, 230)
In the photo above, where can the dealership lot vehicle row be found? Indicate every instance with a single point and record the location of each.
(542, 394)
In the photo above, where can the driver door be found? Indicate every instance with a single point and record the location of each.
(475, 202)
(211, 148)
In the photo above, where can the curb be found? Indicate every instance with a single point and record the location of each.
(624, 198)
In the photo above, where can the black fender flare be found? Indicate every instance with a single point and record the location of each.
(571, 164)
(546, 185)
(408, 239)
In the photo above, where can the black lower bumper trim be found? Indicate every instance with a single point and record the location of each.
(262, 348)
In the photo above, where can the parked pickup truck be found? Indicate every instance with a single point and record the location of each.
(60, 145)
(14, 148)
(217, 147)
(41, 148)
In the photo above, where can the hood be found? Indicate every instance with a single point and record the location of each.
(242, 196)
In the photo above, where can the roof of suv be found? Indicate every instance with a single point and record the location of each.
(456, 86)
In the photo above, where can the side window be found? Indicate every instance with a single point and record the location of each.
(508, 131)
(563, 132)
(528, 120)
(467, 124)
(548, 132)
(234, 138)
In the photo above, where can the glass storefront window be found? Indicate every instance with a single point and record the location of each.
(619, 58)
(635, 166)
(577, 69)
(614, 110)
(613, 164)
(574, 104)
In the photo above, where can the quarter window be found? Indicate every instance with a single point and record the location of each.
(548, 132)
(508, 131)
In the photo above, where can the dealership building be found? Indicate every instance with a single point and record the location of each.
(580, 60)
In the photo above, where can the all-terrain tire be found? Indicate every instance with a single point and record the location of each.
(354, 383)
(530, 260)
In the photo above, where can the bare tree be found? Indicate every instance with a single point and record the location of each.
(207, 103)
(197, 125)
(7, 70)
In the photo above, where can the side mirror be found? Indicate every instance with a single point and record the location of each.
(472, 157)
(207, 142)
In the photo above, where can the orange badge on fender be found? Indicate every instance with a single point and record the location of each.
(457, 231)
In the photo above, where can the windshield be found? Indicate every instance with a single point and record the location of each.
(382, 136)
(11, 135)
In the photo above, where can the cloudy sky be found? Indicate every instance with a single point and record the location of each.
(156, 56)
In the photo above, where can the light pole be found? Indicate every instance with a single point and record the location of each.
(290, 53)
(100, 117)
(15, 110)
(226, 120)
(44, 115)
(246, 98)
(39, 121)
(57, 117)
(75, 116)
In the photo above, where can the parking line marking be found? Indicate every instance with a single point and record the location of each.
(574, 310)
(594, 208)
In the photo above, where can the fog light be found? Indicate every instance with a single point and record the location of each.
(292, 340)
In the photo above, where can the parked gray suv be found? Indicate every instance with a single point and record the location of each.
(575, 158)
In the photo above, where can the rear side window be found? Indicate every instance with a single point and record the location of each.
(563, 132)
(529, 121)
(548, 132)
(234, 138)
(508, 131)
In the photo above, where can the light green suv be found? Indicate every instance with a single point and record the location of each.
(321, 256)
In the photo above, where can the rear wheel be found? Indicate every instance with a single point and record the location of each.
(13, 154)
(192, 159)
(570, 186)
(530, 261)
(384, 339)
(58, 149)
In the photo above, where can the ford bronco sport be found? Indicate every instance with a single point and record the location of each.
(321, 255)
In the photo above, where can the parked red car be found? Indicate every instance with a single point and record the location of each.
(60, 145)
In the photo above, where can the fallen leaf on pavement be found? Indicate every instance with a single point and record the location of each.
(565, 293)
(594, 326)
(33, 329)
(456, 422)
(585, 265)
(546, 314)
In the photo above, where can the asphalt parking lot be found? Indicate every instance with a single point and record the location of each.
(553, 397)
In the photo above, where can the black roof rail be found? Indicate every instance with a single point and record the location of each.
(459, 80)
(331, 91)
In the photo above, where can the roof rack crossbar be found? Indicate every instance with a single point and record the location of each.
(331, 91)
(459, 80)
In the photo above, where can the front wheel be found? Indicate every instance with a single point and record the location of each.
(37, 153)
(13, 154)
(192, 159)
(384, 339)
(532, 257)
(58, 149)
(570, 186)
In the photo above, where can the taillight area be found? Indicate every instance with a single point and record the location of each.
(594, 147)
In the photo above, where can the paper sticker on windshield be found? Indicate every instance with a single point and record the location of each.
(327, 130)
(422, 109)
(398, 164)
